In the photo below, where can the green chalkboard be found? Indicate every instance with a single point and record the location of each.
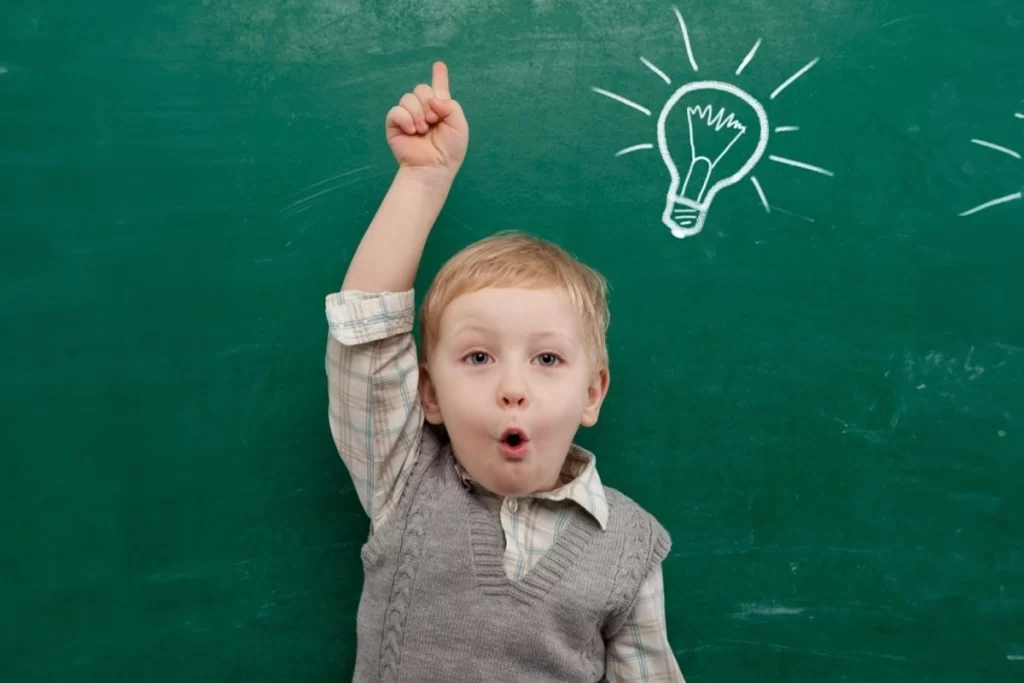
(818, 392)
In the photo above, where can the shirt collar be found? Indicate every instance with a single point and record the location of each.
(578, 482)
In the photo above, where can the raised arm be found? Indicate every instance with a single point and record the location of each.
(428, 134)
(371, 364)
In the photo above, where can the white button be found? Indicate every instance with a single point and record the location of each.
(513, 505)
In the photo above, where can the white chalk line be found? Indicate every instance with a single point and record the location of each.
(995, 202)
(634, 148)
(656, 70)
(800, 164)
(750, 55)
(792, 78)
(998, 148)
(760, 193)
(620, 98)
(686, 38)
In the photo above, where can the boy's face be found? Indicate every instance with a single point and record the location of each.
(512, 362)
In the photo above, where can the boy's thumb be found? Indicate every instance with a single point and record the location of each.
(450, 111)
(457, 117)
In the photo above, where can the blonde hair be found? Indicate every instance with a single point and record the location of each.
(516, 259)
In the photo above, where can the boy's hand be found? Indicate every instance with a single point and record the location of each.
(427, 128)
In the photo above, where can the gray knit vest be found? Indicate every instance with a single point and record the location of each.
(438, 606)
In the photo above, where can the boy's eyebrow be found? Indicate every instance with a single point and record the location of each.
(553, 334)
(481, 328)
(471, 326)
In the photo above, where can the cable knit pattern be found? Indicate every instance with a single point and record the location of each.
(394, 621)
(637, 547)
(437, 604)
(415, 509)
(646, 543)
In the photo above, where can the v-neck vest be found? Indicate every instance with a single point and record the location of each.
(437, 604)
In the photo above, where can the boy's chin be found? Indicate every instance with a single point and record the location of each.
(502, 486)
(515, 486)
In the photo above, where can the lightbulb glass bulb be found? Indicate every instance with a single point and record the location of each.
(711, 135)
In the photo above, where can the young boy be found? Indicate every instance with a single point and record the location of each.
(495, 553)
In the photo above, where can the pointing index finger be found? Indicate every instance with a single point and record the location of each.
(440, 82)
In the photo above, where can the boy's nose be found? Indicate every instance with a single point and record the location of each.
(513, 399)
(512, 393)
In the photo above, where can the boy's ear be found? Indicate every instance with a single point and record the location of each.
(428, 397)
(596, 392)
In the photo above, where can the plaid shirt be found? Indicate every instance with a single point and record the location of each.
(376, 420)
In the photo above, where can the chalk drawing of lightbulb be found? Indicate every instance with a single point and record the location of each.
(1013, 197)
(707, 137)
(711, 135)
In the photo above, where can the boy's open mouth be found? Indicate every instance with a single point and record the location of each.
(513, 441)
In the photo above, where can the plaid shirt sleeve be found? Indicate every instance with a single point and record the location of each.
(373, 404)
(640, 652)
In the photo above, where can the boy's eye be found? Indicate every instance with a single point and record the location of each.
(476, 358)
(548, 359)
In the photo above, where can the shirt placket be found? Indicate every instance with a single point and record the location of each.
(513, 523)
